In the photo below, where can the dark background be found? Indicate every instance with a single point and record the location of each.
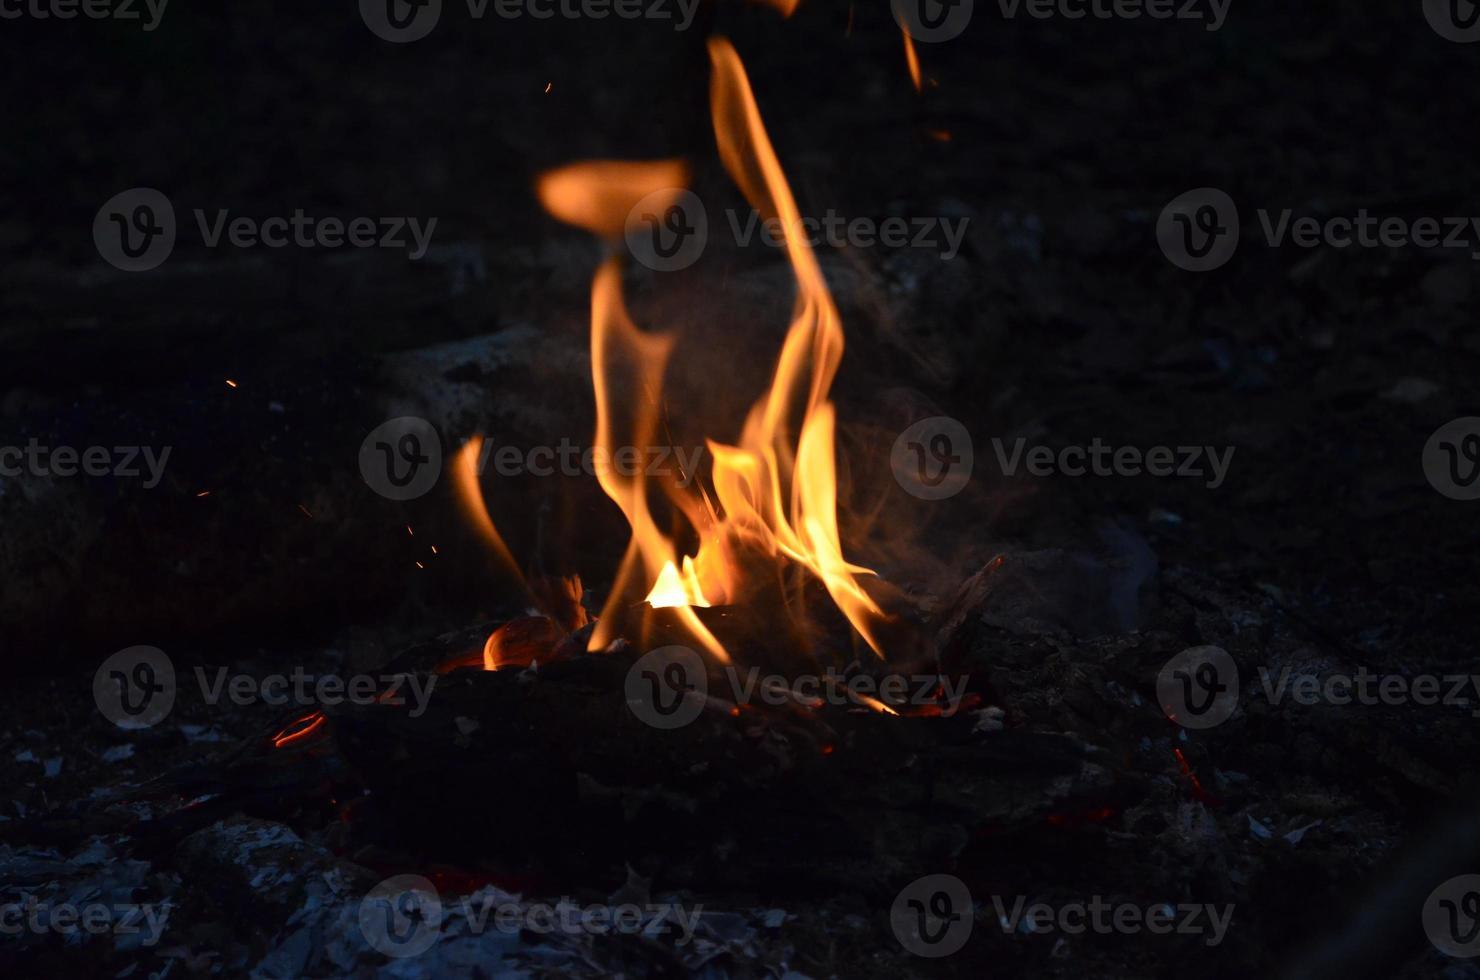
(1061, 321)
(1062, 317)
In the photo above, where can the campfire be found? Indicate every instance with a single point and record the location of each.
(796, 529)
(768, 508)
(741, 666)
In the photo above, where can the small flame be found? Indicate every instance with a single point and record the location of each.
(912, 59)
(470, 499)
(870, 701)
(675, 588)
(598, 195)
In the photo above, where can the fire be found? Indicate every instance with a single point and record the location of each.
(470, 499)
(912, 61)
(675, 588)
(774, 491)
(597, 195)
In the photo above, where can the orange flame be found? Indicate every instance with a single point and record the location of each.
(598, 195)
(470, 499)
(787, 7)
(912, 59)
(775, 490)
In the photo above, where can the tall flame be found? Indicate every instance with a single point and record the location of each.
(775, 489)
(752, 479)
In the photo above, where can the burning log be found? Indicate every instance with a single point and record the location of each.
(551, 768)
